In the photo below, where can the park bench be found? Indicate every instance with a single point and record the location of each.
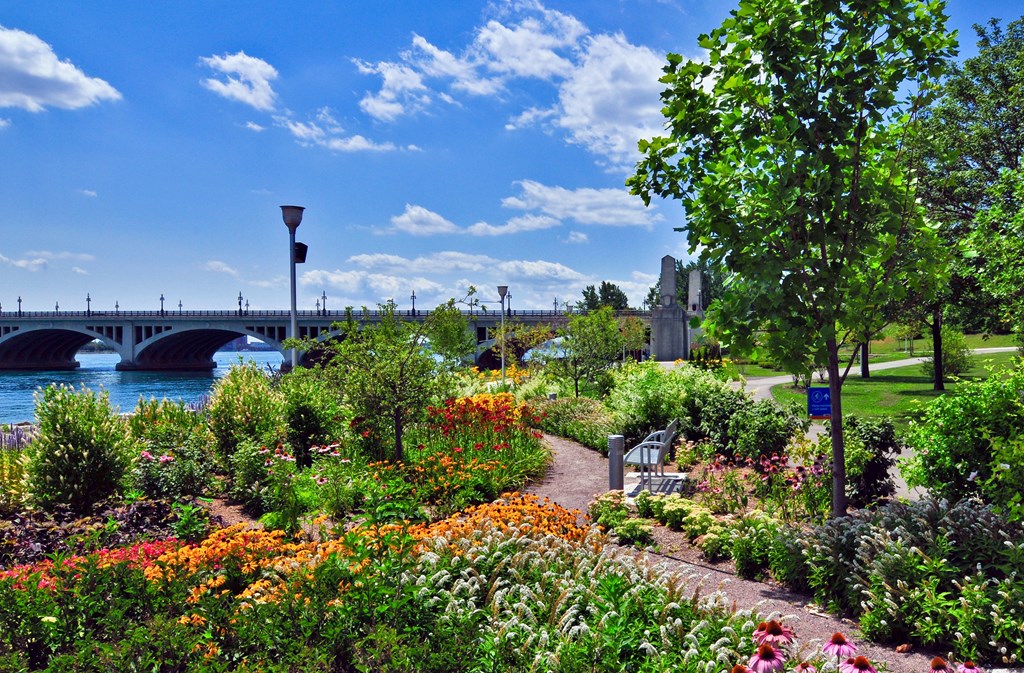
(649, 455)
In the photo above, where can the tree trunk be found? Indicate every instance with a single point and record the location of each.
(937, 349)
(399, 453)
(836, 423)
(865, 372)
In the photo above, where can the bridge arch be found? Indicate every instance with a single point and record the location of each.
(48, 347)
(188, 348)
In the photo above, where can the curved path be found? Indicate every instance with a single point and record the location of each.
(578, 474)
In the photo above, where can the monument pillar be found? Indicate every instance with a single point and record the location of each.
(668, 320)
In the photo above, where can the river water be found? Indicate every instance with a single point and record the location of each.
(97, 373)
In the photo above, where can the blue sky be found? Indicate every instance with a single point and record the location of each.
(435, 145)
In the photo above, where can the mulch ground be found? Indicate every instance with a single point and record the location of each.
(578, 474)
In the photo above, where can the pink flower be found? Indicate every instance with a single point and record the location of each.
(739, 668)
(839, 647)
(767, 660)
(166, 458)
(857, 665)
(773, 633)
(146, 455)
(939, 665)
(968, 667)
(805, 667)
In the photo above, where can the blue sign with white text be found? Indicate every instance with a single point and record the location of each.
(819, 403)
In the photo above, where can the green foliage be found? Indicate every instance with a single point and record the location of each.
(312, 410)
(244, 407)
(752, 538)
(956, 355)
(580, 418)
(955, 443)
(872, 446)
(81, 453)
(608, 294)
(928, 572)
(589, 346)
(175, 450)
(192, 522)
(762, 428)
(609, 510)
(249, 478)
(636, 532)
(388, 377)
(791, 176)
(13, 474)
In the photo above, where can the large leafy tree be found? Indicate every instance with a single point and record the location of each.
(607, 294)
(972, 148)
(784, 149)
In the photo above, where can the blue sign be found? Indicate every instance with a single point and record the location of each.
(819, 403)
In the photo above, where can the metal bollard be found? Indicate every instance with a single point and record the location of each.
(616, 446)
(552, 396)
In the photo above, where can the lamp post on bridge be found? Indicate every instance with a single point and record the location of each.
(502, 292)
(162, 304)
(318, 307)
(56, 307)
(246, 307)
(179, 307)
(239, 302)
(413, 298)
(117, 308)
(324, 302)
(88, 304)
(292, 216)
(19, 305)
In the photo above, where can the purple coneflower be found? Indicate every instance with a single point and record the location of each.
(857, 665)
(739, 668)
(773, 633)
(939, 665)
(805, 667)
(767, 660)
(839, 647)
(968, 667)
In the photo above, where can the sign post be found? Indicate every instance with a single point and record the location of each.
(819, 403)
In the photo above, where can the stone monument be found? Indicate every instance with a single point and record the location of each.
(668, 320)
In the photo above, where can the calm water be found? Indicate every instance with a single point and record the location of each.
(97, 372)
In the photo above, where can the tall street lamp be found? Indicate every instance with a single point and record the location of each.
(161, 303)
(239, 302)
(179, 307)
(502, 291)
(292, 216)
(324, 302)
(413, 298)
(88, 304)
(19, 305)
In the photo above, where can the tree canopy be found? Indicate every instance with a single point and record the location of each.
(785, 151)
(608, 294)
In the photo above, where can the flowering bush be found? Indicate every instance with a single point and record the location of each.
(580, 418)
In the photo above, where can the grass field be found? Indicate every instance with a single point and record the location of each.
(900, 392)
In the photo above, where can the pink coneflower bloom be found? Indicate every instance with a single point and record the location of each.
(805, 667)
(773, 633)
(739, 668)
(839, 647)
(858, 665)
(767, 660)
(968, 667)
(939, 665)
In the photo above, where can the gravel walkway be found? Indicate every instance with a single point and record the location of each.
(579, 473)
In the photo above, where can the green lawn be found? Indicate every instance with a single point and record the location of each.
(896, 392)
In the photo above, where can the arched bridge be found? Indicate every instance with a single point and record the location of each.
(184, 340)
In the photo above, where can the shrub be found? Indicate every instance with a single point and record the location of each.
(752, 537)
(956, 356)
(871, 450)
(966, 437)
(636, 532)
(249, 477)
(609, 510)
(244, 407)
(81, 453)
(175, 450)
(763, 428)
(580, 418)
(716, 544)
(312, 411)
(13, 489)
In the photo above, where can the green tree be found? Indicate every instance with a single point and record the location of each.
(387, 374)
(784, 149)
(607, 294)
(590, 345)
(998, 238)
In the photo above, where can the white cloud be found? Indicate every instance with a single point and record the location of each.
(247, 79)
(253, 126)
(275, 282)
(531, 47)
(325, 131)
(577, 237)
(48, 255)
(435, 263)
(32, 264)
(33, 78)
(4, 123)
(80, 271)
(91, 193)
(529, 117)
(218, 266)
(613, 99)
(516, 225)
(419, 221)
(611, 207)
(538, 270)
(401, 91)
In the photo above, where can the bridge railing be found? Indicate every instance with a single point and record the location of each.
(276, 314)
